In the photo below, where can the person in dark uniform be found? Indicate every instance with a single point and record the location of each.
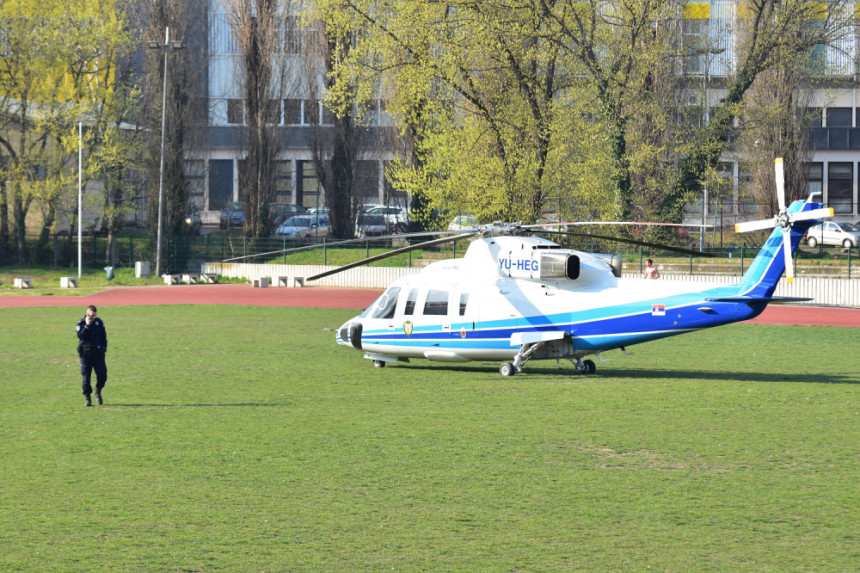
(92, 345)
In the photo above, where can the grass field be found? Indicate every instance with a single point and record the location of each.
(239, 439)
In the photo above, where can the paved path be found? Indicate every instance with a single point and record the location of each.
(327, 297)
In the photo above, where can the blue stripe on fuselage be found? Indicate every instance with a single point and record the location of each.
(593, 329)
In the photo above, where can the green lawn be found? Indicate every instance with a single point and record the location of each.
(238, 438)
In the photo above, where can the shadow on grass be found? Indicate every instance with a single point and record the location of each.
(168, 405)
(729, 376)
(653, 374)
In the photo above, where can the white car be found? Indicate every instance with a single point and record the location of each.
(304, 227)
(834, 234)
(397, 218)
(463, 222)
(370, 225)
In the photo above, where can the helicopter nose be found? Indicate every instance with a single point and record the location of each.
(350, 334)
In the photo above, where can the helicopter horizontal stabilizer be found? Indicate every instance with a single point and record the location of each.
(758, 299)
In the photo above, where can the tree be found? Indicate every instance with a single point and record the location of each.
(58, 54)
(493, 78)
(258, 27)
(768, 32)
(185, 69)
(335, 140)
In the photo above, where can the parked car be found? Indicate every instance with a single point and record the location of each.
(834, 234)
(304, 227)
(370, 225)
(233, 215)
(553, 218)
(463, 222)
(280, 212)
(396, 217)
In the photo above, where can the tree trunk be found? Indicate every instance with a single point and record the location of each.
(4, 224)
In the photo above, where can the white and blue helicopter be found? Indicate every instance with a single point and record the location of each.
(514, 298)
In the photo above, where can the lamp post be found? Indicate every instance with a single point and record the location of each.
(706, 118)
(166, 47)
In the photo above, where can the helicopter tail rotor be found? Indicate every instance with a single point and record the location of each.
(784, 219)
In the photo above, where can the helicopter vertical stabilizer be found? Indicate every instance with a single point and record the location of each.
(789, 226)
(764, 273)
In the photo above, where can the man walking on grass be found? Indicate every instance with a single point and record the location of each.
(92, 345)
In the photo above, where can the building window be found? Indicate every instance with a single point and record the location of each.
(195, 174)
(839, 117)
(840, 186)
(283, 181)
(307, 185)
(813, 117)
(236, 111)
(292, 111)
(814, 179)
(220, 183)
(273, 112)
(312, 112)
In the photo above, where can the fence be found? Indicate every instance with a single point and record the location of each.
(190, 253)
(823, 291)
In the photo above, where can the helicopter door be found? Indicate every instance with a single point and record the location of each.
(497, 313)
(461, 315)
(405, 322)
(436, 307)
(382, 315)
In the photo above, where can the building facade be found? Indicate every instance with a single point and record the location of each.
(832, 130)
(214, 155)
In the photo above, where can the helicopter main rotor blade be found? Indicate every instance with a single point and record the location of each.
(342, 242)
(630, 241)
(537, 226)
(391, 254)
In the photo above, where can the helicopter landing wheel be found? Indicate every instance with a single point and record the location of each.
(586, 367)
(378, 364)
(507, 369)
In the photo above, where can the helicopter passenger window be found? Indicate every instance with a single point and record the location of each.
(464, 299)
(410, 302)
(436, 303)
(386, 304)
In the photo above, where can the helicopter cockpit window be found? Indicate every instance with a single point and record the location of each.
(386, 304)
(464, 299)
(410, 302)
(436, 303)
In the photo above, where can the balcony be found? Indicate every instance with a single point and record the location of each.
(834, 138)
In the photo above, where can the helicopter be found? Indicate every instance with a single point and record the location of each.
(515, 297)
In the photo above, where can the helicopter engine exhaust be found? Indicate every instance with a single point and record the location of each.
(559, 266)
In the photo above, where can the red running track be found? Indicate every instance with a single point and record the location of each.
(326, 297)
